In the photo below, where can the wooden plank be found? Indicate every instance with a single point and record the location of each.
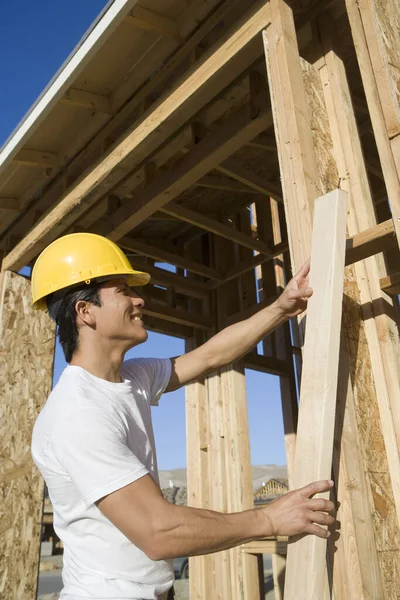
(175, 315)
(265, 364)
(27, 341)
(160, 276)
(278, 573)
(297, 158)
(377, 335)
(391, 284)
(223, 183)
(213, 226)
(305, 577)
(94, 102)
(376, 91)
(228, 138)
(169, 257)
(143, 18)
(265, 547)
(37, 158)
(68, 208)
(371, 241)
(235, 170)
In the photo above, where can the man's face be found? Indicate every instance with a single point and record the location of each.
(120, 316)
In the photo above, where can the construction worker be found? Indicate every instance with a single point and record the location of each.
(93, 441)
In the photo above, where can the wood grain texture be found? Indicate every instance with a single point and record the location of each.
(26, 350)
(315, 431)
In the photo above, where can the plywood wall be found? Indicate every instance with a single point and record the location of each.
(26, 354)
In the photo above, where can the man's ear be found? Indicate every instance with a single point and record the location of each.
(84, 313)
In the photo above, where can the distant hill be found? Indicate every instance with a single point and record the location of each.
(261, 474)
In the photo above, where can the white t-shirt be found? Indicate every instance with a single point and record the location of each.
(91, 438)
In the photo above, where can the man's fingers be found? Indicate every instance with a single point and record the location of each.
(301, 293)
(322, 505)
(316, 488)
(319, 531)
(321, 518)
(304, 271)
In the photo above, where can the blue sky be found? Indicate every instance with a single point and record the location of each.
(35, 39)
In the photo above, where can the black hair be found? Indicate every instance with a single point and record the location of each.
(62, 310)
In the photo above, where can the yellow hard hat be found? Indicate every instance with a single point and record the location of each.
(78, 258)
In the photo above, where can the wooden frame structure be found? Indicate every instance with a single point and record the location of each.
(207, 151)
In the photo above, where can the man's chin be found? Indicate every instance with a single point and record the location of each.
(138, 338)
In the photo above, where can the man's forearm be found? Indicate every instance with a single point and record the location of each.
(236, 340)
(185, 531)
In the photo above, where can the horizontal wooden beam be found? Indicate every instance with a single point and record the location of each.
(265, 547)
(370, 242)
(223, 183)
(94, 102)
(168, 257)
(145, 19)
(96, 181)
(234, 169)
(391, 284)
(176, 315)
(37, 158)
(203, 157)
(160, 276)
(10, 205)
(265, 364)
(168, 328)
(195, 218)
(264, 142)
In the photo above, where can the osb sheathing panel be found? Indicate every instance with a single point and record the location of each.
(381, 501)
(26, 352)
(387, 534)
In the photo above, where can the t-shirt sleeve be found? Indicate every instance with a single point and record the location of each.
(91, 447)
(150, 376)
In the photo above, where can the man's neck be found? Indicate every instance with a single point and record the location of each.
(101, 362)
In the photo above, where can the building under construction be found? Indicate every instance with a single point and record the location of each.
(199, 133)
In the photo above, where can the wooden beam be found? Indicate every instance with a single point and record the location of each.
(265, 364)
(73, 204)
(168, 327)
(10, 205)
(377, 73)
(223, 183)
(264, 142)
(37, 158)
(305, 577)
(235, 170)
(265, 547)
(371, 241)
(229, 137)
(199, 220)
(95, 102)
(169, 257)
(143, 18)
(160, 276)
(175, 315)
(391, 284)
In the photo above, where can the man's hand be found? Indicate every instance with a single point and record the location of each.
(296, 513)
(294, 298)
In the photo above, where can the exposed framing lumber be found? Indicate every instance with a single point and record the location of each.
(265, 547)
(235, 170)
(95, 102)
(265, 364)
(212, 226)
(143, 18)
(370, 242)
(382, 104)
(391, 284)
(37, 158)
(176, 315)
(184, 285)
(305, 577)
(169, 257)
(94, 180)
(213, 149)
(223, 183)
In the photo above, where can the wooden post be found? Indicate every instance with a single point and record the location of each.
(315, 432)
(26, 349)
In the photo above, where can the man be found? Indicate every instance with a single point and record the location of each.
(93, 441)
